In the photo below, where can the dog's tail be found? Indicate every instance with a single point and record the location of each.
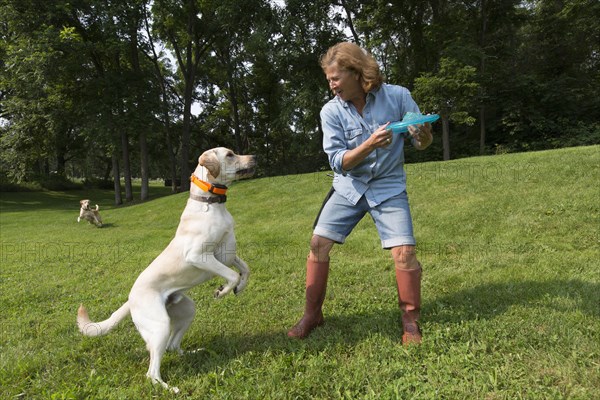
(97, 208)
(89, 328)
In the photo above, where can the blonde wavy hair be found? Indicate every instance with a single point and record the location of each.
(353, 58)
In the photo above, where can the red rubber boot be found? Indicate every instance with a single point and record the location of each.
(316, 286)
(409, 298)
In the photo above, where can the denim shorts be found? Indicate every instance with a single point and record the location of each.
(338, 217)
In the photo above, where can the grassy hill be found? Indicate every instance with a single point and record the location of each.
(511, 291)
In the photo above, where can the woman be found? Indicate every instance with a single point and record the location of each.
(368, 162)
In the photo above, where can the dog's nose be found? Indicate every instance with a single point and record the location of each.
(253, 159)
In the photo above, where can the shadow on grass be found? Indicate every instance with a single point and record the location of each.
(69, 200)
(481, 302)
(489, 300)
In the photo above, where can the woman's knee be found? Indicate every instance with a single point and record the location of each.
(405, 257)
(320, 248)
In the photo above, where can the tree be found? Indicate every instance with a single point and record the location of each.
(84, 83)
(401, 36)
(101, 28)
(165, 81)
(38, 101)
(451, 93)
(189, 31)
(553, 99)
(230, 65)
(294, 141)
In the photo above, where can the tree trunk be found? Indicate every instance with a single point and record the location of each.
(107, 170)
(350, 22)
(172, 158)
(61, 163)
(126, 166)
(135, 62)
(116, 178)
(482, 44)
(482, 129)
(194, 51)
(184, 151)
(240, 142)
(446, 137)
(165, 106)
(231, 93)
(144, 166)
(170, 147)
(189, 75)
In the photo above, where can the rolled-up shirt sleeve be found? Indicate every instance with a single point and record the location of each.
(334, 143)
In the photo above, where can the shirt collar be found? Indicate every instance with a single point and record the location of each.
(370, 95)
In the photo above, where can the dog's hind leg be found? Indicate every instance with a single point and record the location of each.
(152, 321)
(181, 310)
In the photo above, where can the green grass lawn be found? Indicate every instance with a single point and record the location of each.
(511, 291)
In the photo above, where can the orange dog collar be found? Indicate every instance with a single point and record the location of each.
(220, 190)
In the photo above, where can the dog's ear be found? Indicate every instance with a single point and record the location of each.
(210, 161)
(81, 202)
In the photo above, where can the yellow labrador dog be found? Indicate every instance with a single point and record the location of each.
(203, 247)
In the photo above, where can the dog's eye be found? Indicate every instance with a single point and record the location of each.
(230, 154)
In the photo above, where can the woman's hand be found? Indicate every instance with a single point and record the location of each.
(382, 137)
(421, 134)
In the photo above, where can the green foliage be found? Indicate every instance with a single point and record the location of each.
(550, 100)
(86, 82)
(450, 92)
(510, 291)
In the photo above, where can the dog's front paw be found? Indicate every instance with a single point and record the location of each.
(219, 292)
(238, 289)
(241, 285)
(223, 290)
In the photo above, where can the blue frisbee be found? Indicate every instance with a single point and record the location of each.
(409, 119)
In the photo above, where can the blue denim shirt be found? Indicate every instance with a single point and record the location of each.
(381, 175)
